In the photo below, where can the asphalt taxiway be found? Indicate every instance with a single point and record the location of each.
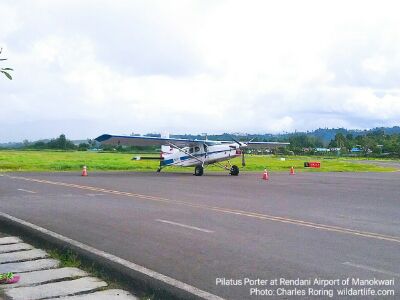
(199, 230)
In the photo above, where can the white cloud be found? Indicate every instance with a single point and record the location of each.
(8, 20)
(198, 66)
(366, 104)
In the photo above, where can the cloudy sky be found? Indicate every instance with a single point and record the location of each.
(84, 67)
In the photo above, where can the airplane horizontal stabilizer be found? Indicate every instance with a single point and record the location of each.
(147, 158)
(258, 145)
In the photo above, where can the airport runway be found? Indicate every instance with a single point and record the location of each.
(198, 229)
(380, 163)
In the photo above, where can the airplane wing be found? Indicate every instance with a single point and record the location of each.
(109, 139)
(258, 145)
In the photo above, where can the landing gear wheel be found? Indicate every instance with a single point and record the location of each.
(198, 170)
(234, 170)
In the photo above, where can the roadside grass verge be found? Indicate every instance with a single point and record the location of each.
(67, 258)
(70, 259)
(42, 161)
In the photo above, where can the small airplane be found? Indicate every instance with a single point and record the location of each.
(190, 152)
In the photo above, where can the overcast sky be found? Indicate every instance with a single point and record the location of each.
(84, 68)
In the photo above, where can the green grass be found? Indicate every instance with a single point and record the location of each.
(68, 259)
(14, 161)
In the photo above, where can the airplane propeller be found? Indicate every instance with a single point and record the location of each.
(236, 141)
(241, 146)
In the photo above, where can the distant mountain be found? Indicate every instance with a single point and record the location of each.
(11, 145)
(77, 142)
(390, 130)
(325, 135)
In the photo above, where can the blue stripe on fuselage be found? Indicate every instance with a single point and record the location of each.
(167, 162)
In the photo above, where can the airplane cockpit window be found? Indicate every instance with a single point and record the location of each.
(191, 150)
(196, 149)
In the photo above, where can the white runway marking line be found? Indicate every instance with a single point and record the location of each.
(371, 269)
(26, 191)
(260, 216)
(185, 226)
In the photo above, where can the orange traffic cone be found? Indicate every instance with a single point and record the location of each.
(84, 171)
(265, 175)
(292, 171)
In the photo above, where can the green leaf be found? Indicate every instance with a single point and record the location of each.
(8, 75)
(3, 58)
(7, 69)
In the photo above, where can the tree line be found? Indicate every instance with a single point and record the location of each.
(60, 143)
(374, 143)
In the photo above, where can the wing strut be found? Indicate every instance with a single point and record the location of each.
(189, 154)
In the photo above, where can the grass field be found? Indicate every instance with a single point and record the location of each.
(12, 161)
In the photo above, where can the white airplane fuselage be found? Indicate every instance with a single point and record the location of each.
(198, 155)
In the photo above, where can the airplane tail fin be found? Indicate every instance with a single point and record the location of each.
(165, 135)
(165, 149)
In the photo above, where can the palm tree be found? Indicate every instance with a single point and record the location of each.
(5, 71)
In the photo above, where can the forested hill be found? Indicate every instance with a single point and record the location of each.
(324, 135)
(321, 137)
